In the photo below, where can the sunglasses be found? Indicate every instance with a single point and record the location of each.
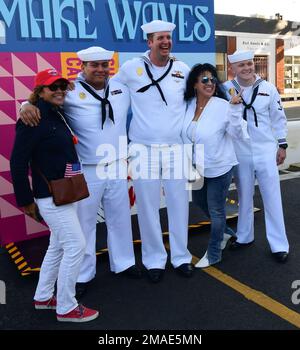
(205, 80)
(55, 87)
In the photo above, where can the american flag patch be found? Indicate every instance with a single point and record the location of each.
(72, 169)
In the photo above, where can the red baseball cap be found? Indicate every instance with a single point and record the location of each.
(47, 77)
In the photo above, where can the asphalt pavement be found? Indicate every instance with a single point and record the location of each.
(247, 290)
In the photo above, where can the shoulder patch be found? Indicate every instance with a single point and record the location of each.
(178, 74)
(280, 108)
(139, 71)
(231, 91)
(263, 94)
(116, 92)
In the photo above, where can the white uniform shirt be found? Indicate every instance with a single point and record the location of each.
(272, 125)
(154, 122)
(83, 113)
(219, 123)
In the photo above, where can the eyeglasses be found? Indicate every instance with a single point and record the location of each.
(206, 80)
(55, 87)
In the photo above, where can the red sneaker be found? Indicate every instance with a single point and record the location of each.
(46, 305)
(79, 314)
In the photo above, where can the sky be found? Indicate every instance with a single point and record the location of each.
(290, 9)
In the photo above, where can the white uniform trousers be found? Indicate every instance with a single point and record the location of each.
(148, 194)
(266, 173)
(64, 255)
(113, 194)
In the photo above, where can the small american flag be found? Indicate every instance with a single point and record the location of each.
(72, 169)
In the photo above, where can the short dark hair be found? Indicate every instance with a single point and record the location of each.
(150, 36)
(197, 70)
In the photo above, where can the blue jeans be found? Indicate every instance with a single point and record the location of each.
(212, 199)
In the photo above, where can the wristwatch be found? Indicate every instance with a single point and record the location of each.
(283, 145)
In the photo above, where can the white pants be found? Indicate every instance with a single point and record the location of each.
(148, 195)
(64, 255)
(266, 172)
(113, 194)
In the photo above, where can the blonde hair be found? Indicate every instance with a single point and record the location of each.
(34, 97)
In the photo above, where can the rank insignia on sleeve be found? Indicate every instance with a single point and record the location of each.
(116, 92)
(82, 95)
(178, 74)
(280, 108)
(139, 71)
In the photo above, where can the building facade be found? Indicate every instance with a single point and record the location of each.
(276, 44)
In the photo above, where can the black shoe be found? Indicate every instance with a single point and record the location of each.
(281, 257)
(132, 272)
(155, 275)
(234, 245)
(185, 270)
(81, 289)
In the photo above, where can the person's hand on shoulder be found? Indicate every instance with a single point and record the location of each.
(30, 114)
(71, 86)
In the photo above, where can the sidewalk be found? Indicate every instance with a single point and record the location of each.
(290, 104)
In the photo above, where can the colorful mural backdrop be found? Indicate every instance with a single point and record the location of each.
(41, 34)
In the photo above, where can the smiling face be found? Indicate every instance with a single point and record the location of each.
(160, 45)
(206, 85)
(55, 93)
(96, 72)
(244, 70)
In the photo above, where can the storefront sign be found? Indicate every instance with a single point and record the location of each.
(259, 46)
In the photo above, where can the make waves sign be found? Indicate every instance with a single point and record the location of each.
(62, 25)
(40, 34)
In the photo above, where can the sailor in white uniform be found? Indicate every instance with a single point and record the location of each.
(97, 112)
(157, 82)
(259, 156)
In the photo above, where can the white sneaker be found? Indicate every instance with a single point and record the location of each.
(203, 262)
(226, 238)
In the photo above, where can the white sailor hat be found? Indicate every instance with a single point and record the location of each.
(158, 26)
(95, 53)
(239, 56)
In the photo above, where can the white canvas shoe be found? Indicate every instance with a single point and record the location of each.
(203, 262)
(226, 238)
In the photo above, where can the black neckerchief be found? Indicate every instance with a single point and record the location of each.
(155, 82)
(104, 102)
(250, 105)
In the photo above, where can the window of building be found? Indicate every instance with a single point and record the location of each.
(221, 66)
(292, 72)
(261, 66)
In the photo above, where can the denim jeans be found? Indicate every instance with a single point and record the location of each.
(212, 199)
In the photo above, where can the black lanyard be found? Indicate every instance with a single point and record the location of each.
(253, 98)
(104, 102)
(155, 82)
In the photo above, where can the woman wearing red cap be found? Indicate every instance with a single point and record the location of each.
(50, 152)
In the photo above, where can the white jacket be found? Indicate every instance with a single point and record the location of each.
(218, 124)
(154, 122)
